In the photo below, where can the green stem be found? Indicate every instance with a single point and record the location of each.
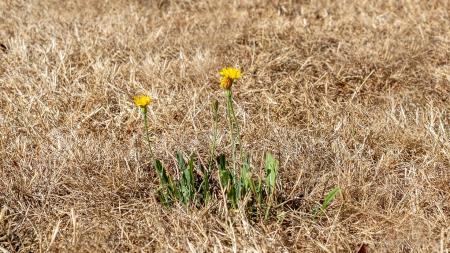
(215, 108)
(234, 127)
(147, 132)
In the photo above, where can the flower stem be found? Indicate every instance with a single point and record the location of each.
(215, 109)
(234, 127)
(147, 133)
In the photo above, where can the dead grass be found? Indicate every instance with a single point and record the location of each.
(348, 93)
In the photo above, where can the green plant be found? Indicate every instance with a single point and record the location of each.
(168, 191)
(194, 186)
(186, 183)
(245, 178)
(143, 101)
(329, 198)
(271, 167)
(215, 119)
(229, 75)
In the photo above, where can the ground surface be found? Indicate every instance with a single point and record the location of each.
(347, 93)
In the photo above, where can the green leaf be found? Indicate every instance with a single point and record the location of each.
(258, 190)
(233, 195)
(221, 161)
(224, 173)
(161, 173)
(187, 181)
(181, 161)
(271, 173)
(190, 178)
(205, 187)
(329, 198)
(245, 177)
(225, 178)
(169, 189)
(228, 181)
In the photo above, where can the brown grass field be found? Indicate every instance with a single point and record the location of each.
(345, 93)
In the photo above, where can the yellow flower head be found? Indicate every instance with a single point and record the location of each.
(228, 76)
(142, 100)
(231, 73)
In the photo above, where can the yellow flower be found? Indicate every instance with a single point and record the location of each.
(228, 76)
(142, 100)
(231, 73)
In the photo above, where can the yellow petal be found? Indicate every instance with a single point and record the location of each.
(142, 100)
(232, 73)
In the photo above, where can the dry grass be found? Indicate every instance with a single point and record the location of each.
(348, 93)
